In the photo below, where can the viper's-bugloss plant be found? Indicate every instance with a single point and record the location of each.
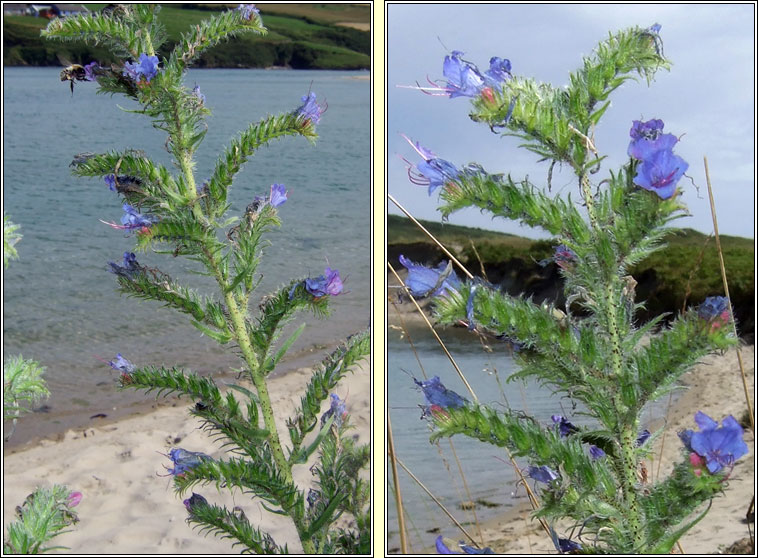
(44, 514)
(593, 351)
(176, 214)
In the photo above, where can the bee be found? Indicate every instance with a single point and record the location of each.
(72, 73)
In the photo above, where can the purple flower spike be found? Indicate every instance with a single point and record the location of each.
(247, 11)
(122, 365)
(278, 195)
(720, 446)
(436, 394)
(463, 79)
(422, 281)
(660, 172)
(110, 180)
(542, 474)
(310, 110)
(327, 284)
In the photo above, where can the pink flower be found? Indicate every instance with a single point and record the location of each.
(73, 499)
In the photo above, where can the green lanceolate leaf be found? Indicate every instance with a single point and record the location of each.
(305, 453)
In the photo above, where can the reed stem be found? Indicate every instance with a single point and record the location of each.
(726, 291)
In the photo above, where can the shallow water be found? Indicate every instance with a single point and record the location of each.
(61, 306)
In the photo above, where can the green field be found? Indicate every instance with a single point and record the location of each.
(301, 36)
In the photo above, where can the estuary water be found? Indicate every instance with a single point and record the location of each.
(60, 303)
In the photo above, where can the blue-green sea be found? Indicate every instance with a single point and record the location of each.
(60, 303)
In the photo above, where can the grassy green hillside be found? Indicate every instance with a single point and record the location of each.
(301, 36)
(688, 268)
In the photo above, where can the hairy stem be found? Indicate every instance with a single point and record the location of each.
(259, 381)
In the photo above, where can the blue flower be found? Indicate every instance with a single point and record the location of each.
(185, 460)
(463, 79)
(564, 546)
(89, 71)
(313, 497)
(422, 281)
(133, 219)
(659, 169)
(122, 365)
(660, 172)
(278, 195)
(247, 11)
(328, 284)
(720, 446)
(713, 307)
(310, 110)
(542, 474)
(443, 549)
(648, 137)
(642, 437)
(196, 92)
(130, 267)
(433, 172)
(336, 409)
(436, 394)
(565, 427)
(122, 183)
(147, 68)
(596, 452)
(500, 71)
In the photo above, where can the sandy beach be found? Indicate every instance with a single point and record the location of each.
(127, 508)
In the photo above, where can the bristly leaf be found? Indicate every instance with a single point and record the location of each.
(211, 32)
(323, 381)
(249, 141)
(233, 525)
